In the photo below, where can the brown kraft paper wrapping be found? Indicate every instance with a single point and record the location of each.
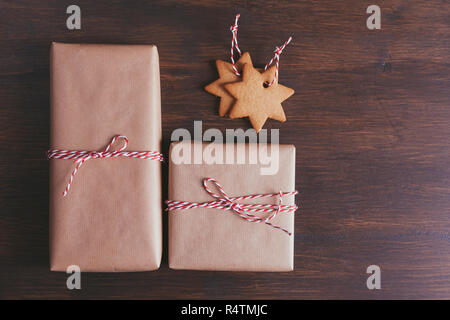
(212, 239)
(111, 218)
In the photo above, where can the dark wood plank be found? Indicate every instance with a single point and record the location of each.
(370, 119)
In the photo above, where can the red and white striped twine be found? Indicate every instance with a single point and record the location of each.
(234, 44)
(224, 202)
(276, 57)
(81, 157)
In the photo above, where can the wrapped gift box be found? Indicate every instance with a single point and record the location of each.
(111, 218)
(214, 239)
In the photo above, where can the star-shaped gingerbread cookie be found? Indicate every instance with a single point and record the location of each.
(257, 101)
(227, 75)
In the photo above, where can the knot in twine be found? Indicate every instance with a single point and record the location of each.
(244, 211)
(81, 157)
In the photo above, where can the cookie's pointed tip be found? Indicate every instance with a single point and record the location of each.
(246, 55)
(258, 129)
(245, 58)
(219, 62)
(210, 88)
(223, 109)
(257, 125)
(290, 93)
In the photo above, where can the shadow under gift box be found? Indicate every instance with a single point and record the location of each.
(215, 239)
(110, 220)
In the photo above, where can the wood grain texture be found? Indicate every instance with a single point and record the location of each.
(370, 119)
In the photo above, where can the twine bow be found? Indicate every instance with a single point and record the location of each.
(244, 211)
(81, 157)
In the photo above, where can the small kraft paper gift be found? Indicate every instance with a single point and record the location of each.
(231, 206)
(105, 169)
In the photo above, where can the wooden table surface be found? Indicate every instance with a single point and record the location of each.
(370, 119)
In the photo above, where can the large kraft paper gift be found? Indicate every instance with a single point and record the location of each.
(110, 220)
(214, 239)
